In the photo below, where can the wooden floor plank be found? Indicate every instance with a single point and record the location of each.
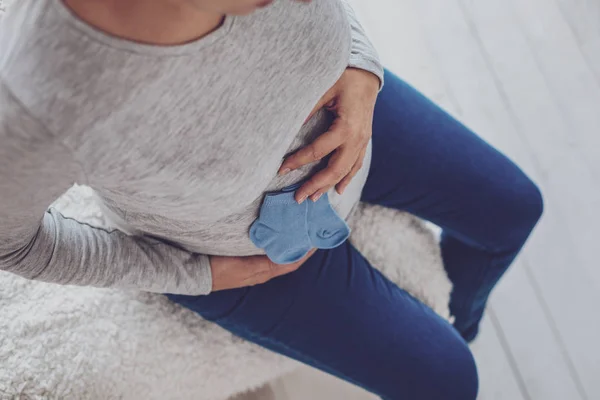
(541, 360)
(583, 18)
(497, 380)
(571, 298)
(574, 85)
(526, 92)
(404, 50)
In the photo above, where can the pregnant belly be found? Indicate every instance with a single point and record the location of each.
(230, 235)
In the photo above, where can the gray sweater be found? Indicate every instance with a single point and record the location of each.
(180, 143)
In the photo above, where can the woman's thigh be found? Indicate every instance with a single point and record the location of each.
(339, 314)
(426, 162)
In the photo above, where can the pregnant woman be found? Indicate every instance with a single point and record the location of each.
(183, 114)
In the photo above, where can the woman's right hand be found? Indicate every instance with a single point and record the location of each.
(237, 272)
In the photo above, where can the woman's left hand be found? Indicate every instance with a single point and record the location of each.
(352, 99)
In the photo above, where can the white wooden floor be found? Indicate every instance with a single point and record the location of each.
(525, 74)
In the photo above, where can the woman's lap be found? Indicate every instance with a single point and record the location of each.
(339, 314)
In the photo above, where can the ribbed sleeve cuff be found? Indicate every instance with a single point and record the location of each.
(204, 277)
(367, 64)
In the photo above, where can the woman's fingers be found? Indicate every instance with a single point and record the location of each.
(321, 147)
(263, 269)
(236, 272)
(348, 146)
(343, 184)
(352, 99)
(343, 165)
(340, 184)
(340, 165)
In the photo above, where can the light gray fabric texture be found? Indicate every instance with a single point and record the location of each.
(179, 143)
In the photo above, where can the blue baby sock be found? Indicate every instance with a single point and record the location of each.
(281, 228)
(325, 227)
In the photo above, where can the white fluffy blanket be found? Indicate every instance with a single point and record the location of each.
(60, 342)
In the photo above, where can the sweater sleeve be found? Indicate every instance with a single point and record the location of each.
(35, 169)
(363, 54)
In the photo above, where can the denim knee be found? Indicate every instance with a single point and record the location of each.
(448, 372)
(526, 206)
(533, 204)
(460, 374)
(518, 206)
(470, 386)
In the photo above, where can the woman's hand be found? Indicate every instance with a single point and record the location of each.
(236, 272)
(352, 99)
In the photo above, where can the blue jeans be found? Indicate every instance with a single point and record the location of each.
(339, 314)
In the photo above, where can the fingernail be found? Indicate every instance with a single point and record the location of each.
(317, 197)
(284, 171)
(302, 199)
